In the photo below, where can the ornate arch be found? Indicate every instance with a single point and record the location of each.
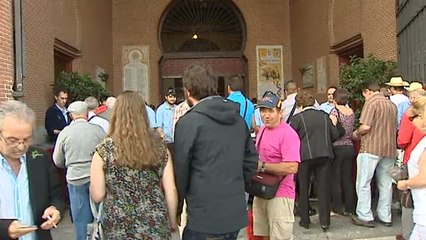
(202, 26)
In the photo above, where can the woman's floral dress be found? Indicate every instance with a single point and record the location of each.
(134, 205)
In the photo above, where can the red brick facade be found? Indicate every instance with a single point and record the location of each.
(6, 50)
(98, 29)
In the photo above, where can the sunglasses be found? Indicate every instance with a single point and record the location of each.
(411, 118)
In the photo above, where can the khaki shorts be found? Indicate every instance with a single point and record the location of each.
(273, 218)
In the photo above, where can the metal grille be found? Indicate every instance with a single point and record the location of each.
(202, 26)
(411, 32)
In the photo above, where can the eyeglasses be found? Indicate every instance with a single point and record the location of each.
(411, 118)
(13, 142)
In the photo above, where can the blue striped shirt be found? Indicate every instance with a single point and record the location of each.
(15, 195)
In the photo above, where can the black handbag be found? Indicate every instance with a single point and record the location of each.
(339, 125)
(264, 185)
(407, 199)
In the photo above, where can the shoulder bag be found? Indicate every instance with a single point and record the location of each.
(339, 125)
(264, 185)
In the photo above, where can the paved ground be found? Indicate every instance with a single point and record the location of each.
(341, 229)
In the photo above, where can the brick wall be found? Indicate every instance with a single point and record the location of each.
(100, 28)
(379, 28)
(136, 23)
(6, 50)
(316, 25)
(85, 25)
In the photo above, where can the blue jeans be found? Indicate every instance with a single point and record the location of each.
(367, 165)
(80, 208)
(189, 234)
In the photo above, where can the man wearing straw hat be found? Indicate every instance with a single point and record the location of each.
(396, 88)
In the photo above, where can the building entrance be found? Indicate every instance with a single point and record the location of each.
(211, 32)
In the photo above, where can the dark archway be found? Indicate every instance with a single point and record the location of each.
(217, 22)
(207, 31)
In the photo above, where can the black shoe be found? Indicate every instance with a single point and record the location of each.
(325, 228)
(387, 224)
(359, 222)
(305, 225)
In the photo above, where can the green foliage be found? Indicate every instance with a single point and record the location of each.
(362, 70)
(79, 86)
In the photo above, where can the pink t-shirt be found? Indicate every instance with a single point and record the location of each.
(280, 144)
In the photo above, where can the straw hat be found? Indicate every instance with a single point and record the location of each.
(414, 86)
(397, 82)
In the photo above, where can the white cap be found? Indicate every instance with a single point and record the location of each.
(77, 107)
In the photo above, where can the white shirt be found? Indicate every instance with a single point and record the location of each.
(101, 122)
(399, 98)
(419, 194)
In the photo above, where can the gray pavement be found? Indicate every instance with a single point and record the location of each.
(341, 229)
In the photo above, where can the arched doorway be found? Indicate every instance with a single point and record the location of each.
(206, 31)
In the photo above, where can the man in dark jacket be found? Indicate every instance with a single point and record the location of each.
(31, 192)
(56, 117)
(214, 156)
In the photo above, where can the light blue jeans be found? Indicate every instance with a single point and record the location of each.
(80, 208)
(367, 165)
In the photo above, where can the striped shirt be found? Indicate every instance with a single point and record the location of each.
(381, 115)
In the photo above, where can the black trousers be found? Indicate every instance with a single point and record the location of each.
(320, 167)
(342, 188)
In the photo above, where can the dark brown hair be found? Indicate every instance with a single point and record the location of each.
(305, 99)
(235, 82)
(199, 81)
(341, 96)
(372, 86)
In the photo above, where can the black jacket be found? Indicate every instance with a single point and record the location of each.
(214, 156)
(316, 133)
(45, 190)
(54, 119)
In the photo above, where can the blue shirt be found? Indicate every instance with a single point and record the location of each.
(15, 195)
(327, 107)
(151, 117)
(164, 118)
(402, 107)
(238, 97)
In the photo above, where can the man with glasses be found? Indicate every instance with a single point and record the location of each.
(31, 200)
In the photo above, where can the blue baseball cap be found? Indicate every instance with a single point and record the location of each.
(269, 100)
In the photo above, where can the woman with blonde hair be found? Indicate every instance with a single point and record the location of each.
(417, 171)
(132, 173)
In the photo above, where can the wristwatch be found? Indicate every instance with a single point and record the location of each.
(262, 168)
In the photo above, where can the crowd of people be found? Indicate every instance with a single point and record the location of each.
(190, 163)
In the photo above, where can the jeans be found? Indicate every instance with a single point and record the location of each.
(341, 179)
(80, 208)
(367, 165)
(189, 234)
